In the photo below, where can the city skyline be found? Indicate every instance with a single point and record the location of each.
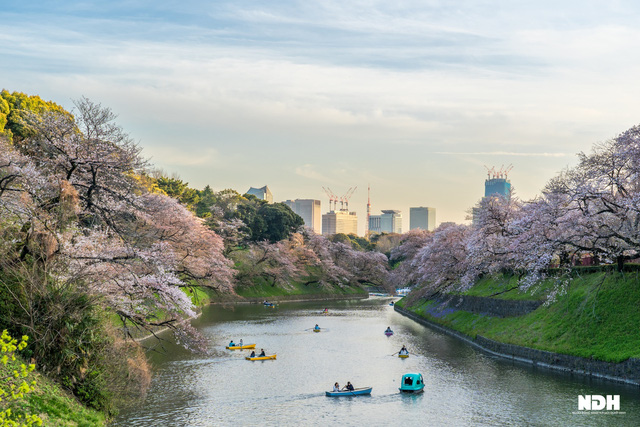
(413, 98)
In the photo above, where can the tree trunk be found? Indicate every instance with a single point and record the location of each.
(620, 261)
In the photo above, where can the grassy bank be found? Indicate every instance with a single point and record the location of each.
(594, 316)
(54, 405)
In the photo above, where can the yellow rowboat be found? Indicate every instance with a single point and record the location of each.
(241, 347)
(403, 356)
(267, 357)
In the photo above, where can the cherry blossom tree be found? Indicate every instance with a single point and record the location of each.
(405, 274)
(489, 242)
(69, 192)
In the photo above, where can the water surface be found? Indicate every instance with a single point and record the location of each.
(463, 386)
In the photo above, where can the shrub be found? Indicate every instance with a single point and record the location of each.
(13, 384)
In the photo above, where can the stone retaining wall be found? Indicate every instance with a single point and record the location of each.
(627, 372)
(492, 306)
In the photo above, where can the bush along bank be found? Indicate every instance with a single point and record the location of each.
(588, 324)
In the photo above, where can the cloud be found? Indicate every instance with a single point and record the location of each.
(308, 171)
(175, 156)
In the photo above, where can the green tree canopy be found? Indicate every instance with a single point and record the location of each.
(279, 222)
(14, 108)
(206, 199)
(180, 190)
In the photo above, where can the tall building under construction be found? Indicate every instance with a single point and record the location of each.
(497, 186)
(497, 183)
(339, 221)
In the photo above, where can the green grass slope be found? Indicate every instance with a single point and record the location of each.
(54, 405)
(595, 316)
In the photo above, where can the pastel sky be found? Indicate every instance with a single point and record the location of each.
(411, 97)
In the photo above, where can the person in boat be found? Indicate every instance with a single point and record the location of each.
(231, 343)
(349, 386)
(240, 343)
(317, 328)
(253, 354)
(326, 310)
(262, 353)
(336, 387)
(404, 350)
(388, 329)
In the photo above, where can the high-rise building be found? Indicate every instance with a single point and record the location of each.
(262, 193)
(423, 218)
(497, 186)
(309, 210)
(389, 222)
(342, 221)
(374, 224)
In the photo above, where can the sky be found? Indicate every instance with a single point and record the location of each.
(414, 98)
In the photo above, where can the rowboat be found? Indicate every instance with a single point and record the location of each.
(241, 347)
(412, 383)
(267, 357)
(403, 356)
(355, 392)
(316, 330)
(388, 333)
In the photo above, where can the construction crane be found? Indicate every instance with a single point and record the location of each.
(490, 171)
(345, 199)
(507, 170)
(332, 198)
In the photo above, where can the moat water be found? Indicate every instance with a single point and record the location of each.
(464, 387)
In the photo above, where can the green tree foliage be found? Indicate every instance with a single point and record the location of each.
(70, 340)
(4, 112)
(173, 187)
(206, 199)
(277, 223)
(179, 190)
(247, 212)
(356, 242)
(14, 111)
(264, 221)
